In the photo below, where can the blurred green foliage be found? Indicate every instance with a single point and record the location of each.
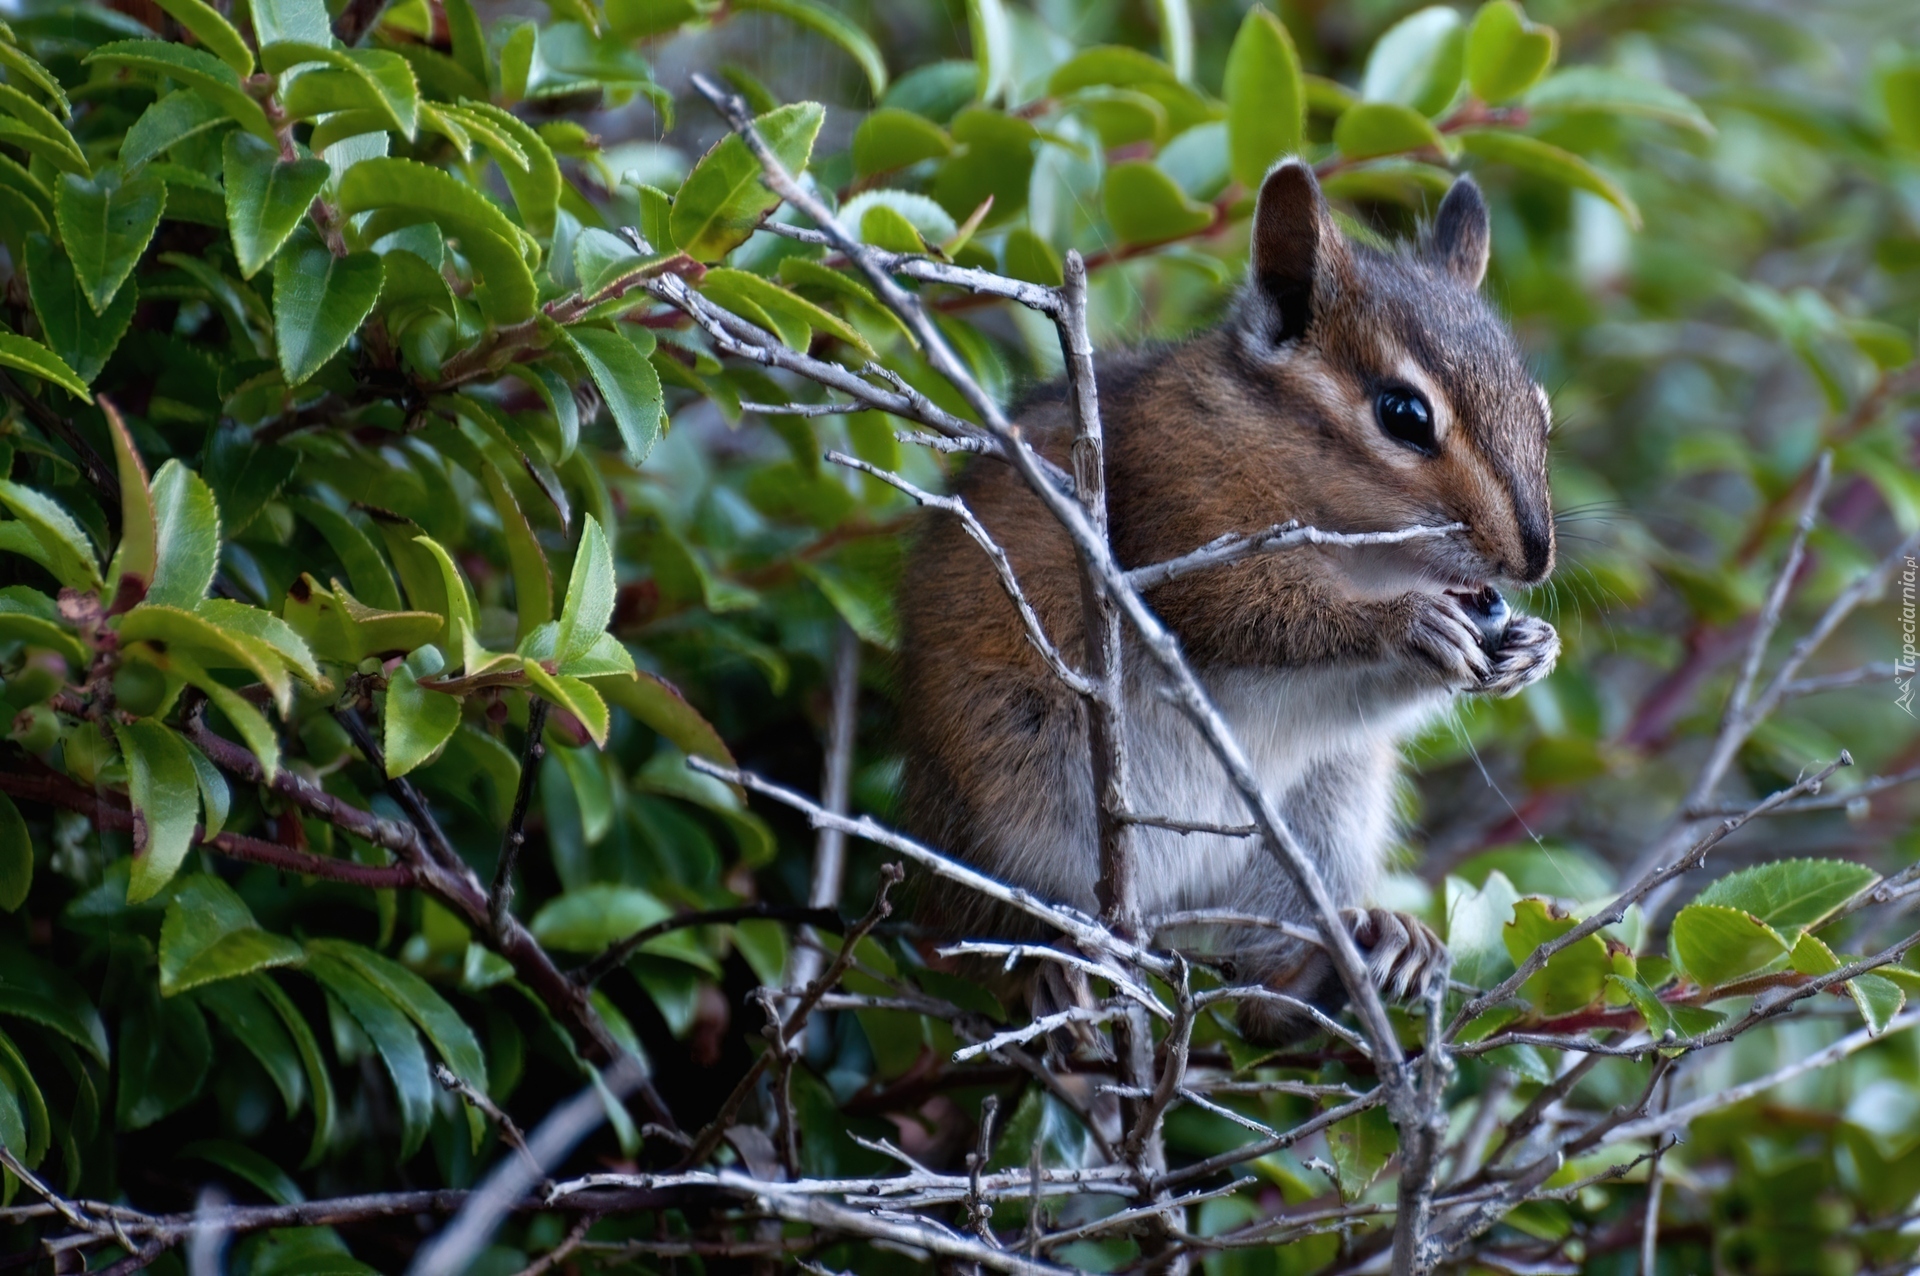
(335, 382)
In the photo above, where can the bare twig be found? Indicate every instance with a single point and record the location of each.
(500, 897)
(1233, 547)
(510, 1133)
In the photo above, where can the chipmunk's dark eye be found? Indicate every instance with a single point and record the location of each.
(1404, 415)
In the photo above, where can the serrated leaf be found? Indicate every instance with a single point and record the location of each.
(209, 934)
(857, 43)
(417, 999)
(417, 192)
(106, 222)
(193, 69)
(376, 80)
(180, 115)
(216, 798)
(213, 31)
(187, 523)
(417, 723)
(68, 553)
(1266, 100)
(575, 695)
(18, 62)
(1575, 977)
(80, 338)
(591, 590)
(723, 199)
(320, 301)
(393, 1037)
(35, 127)
(284, 21)
(265, 628)
(266, 198)
(29, 356)
(338, 627)
(628, 384)
(532, 578)
(534, 179)
(1361, 1146)
(1716, 945)
(1790, 893)
(179, 632)
(138, 552)
(1542, 159)
(785, 308)
(251, 1020)
(166, 803)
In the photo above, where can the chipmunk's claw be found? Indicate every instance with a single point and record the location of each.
(1526, 653)
(1403, 954)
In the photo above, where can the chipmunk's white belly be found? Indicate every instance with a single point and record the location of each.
(1288, 724)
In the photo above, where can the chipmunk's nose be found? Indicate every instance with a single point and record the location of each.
(1536, 546)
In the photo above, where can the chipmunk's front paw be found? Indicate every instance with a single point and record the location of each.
(1525, 654)
(1403, 954)
(1446, 639)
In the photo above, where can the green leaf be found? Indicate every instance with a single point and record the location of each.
(68, 553)
(660, 705)
(106, 222)
(266, 198)
(592, 918)
(34, 359)
(338, 627)
(39, 130)
(393, 1038)
(994, 53)
(18, 62)
(166, 803)
(216, 799)
(891, 138)
(319, 1084)
(450, 1035)
(187, 523)
(31, 1142)
(320, 301)
(627, 382)
(45, 995)
(366, 569)
(213, 31)
(1900, 97)
(180, 115)
(375, 80)
(417, 192)
(1715, 945)
(179, 632)
(1145, 206)
(1266, 101)
(534, 178)
(1575, 977)
(1542, 159)
(1418, 61)
(723, 199)
(284, 21)
(16, 856)
(417, 723)
(1603, 92)
(138, 552)
(264, 628)
(835, 27)
(1877, 997)
(1506, 54)
(591, 590)
(192, 68)
(80, 338)
(532, 578)
(1361, 1146)
(469, 40)
(992, 159)
(786, 309)
(1384, 128)
(575, 695)
(454, 588)
(164, 1053)
(1476, 925)
(1788, 894)
(209, 934)
(244, 1163)
(249, 1017)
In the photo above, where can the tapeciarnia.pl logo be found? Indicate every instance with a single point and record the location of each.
(1904, 664)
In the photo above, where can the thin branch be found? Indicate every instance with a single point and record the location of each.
(500, 896)
(616, 955)
(1039, 1028)
(98, 472)
(1660, 874)
(1074, 680)
(802, 409)
(941, 444)
(1838, 800)
(1234, 546)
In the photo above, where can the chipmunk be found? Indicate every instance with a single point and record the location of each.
(1352, 389)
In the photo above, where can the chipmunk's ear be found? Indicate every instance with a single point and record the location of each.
(1461, 237)
(1298, 253)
